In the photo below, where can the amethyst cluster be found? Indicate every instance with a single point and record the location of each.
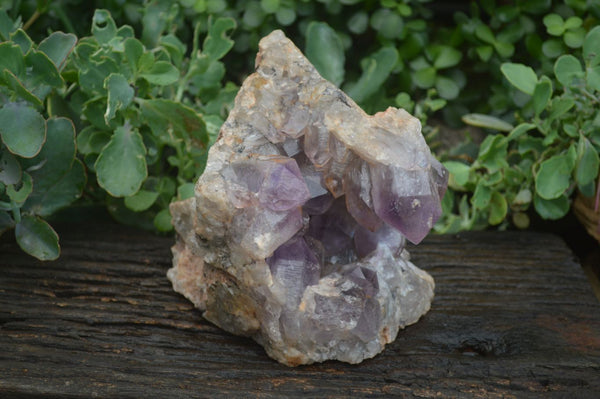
(295, 236)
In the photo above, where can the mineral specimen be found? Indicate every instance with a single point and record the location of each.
(295, 236)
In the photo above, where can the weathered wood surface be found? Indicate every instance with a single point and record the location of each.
(513, 316)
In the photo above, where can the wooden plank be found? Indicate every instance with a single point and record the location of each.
(513, 316)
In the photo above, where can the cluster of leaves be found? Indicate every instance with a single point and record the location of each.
(550, 153)
(39, 172)
(145, 115)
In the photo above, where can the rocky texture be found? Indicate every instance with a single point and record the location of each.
(295, 236)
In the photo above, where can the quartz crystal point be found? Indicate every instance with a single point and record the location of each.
(295, 236)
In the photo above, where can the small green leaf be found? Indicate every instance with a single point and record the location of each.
(566, 68)
(487, 121)
(162, 73)
(520, 130)
(165, 115)
(481, 196)
(520, 76)
(134, 50)
(484, 33)
(57, 47)
(21, 38)
(560, 106)
(523, 197)
(541, 95)
(552, 48)
(498, 208)
(20, 195)
(162, 221)
(447, 88)
(555, 25)
(121, 166)
(588, 162)
(91, 141)
(20, 90)
(325, 50)
(492, 152)
(378, 68)
(120, 95)
(37, 238)
(425, 78)
(551, 209)
(591, 47)
(574, 38)
(217, 43)
(23, 129)
(285, 16)
(446, 57)
(593, 77)
(484, 52)
(103, 26)
(141, 200)
(459, 174)
(11, 58)
(553, 177)
(185, 191)
(10, 169)
(270, 6)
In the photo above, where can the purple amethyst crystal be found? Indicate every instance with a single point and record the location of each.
(296, 233)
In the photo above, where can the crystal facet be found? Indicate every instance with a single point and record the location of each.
(295, 236)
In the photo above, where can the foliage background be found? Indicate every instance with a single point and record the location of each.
(139, 89)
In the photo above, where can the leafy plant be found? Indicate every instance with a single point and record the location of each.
(142, 135)
(553, 151)
(39, 173)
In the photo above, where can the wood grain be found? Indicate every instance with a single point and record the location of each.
(513, 316)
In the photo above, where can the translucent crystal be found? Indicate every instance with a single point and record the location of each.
(296, 233)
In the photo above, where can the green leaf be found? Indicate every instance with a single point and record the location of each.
(162, 221)
(378, 68)
(498, 208)
(10, 169)
(593, 77)
(484, 33)
(23, 129)
(425, 78)
(325, 50)
(20, 90)
(446, 57)
(141, 200)
(552, 48)
(560, 106)
(20, 195)
(285, 16)
(42, 75)
(270, 6)
(120, 95)
(591, 47)
(481, 196)
(21, 38)
(121, 166)
(133, 50)
(91, 141)
(11, 58)
(492, 152)
(162, 73)
(103, 26)
(566, 68)
(217, 43)
(588, 162)
(520, 76)
(165, 115)
(574, 39)
(459, 174)
(555, 25)
(541, 95)
(92, 76)
(57, 47)
(37, 238)
(554, 177)
(487, 121)
(551, 209)
(447, 88)
(520, 130)
(58, 177)
(185, 191)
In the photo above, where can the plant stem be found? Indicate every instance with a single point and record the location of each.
(31, 20)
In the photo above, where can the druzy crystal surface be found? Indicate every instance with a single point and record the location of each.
(296, 233)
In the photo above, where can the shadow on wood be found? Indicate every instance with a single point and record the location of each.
(513, 316)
